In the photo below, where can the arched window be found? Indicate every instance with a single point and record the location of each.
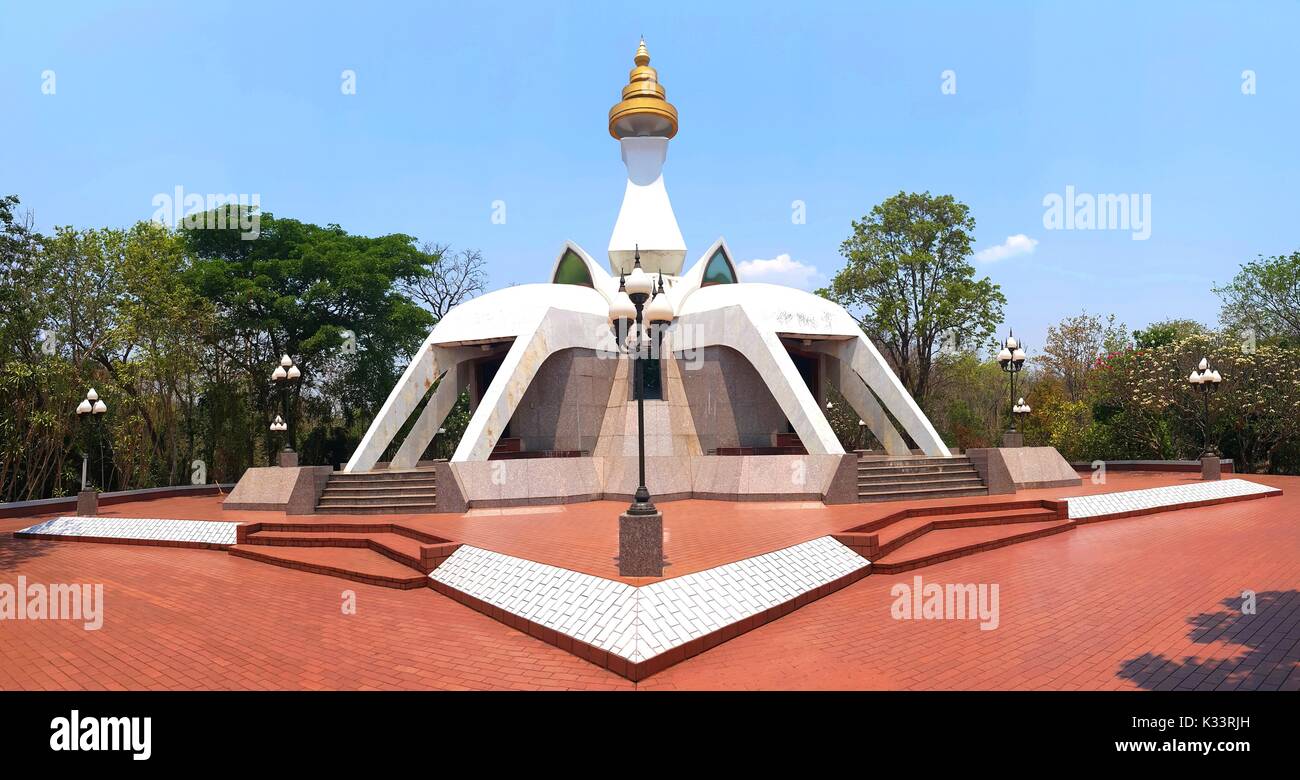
(719, 270)
(572, 270)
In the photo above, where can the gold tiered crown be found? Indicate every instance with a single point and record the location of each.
(644, 111)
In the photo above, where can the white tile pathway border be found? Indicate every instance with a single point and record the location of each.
(1104, 504)
(141, 529)
(638, 624)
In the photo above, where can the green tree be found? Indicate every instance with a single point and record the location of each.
(909, 282)
(1264, 297)
(969, 394)
(1158, 334)
(299, 289)
(1073, 346)
(1252, 413)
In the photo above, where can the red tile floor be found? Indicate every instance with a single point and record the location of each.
(1144, 602)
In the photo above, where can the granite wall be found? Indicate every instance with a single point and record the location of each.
(582, 400)
(728, 400)
(564, 407)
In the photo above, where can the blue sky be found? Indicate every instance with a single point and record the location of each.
(838, 105)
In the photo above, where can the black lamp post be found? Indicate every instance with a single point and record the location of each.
(284, 375)
(91, 409)
(630, 306)
(640, 544)
(1012, 360)
(1207, 379)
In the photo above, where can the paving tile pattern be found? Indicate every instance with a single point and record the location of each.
(675, 611)
(1131, 501)
(594, 610)
(640, 623)
(195, 532)
(194, 619)
(1146, 602)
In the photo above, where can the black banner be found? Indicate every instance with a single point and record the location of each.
(678, 732)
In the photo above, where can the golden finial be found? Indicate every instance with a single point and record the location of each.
(644, 110)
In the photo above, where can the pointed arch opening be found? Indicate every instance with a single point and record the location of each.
(572, 270)
(719, 270)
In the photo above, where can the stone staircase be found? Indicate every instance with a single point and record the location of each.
(919, 537)
(380, 493)
(384, 554)
(918, 478)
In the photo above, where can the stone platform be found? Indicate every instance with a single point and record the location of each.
(636, 629)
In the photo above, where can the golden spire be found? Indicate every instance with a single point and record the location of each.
(644, 111)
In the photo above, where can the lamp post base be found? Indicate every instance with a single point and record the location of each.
(288, 459)
(87, 503)
(1013, 439)
(641, 545)
(1211, 467)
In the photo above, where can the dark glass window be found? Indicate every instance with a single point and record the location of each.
(572, 270)
(654, 383)
(719, 270)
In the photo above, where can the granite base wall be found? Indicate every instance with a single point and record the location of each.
(1025, 468)
(540, 481)
(294, 490)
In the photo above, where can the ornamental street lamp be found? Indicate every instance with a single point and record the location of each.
(630, 307)
(641, 526)
(91, 410)
(278, 425)
(1021, 410)
(283, 376)
(1012, 360)
(1207, 379)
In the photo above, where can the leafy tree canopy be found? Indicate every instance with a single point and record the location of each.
(1264, 297)
(909, 282)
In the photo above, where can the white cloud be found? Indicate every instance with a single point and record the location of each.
(779, 270)
(1019, 244)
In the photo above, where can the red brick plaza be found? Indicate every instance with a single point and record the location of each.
(1146, 602)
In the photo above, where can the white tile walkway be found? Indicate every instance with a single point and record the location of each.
(640, 623)
(1102, 504)
(139, 528)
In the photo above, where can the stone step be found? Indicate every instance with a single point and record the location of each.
(943, 545)
(935, 468)
(406, 551)
(352, 508)
(371, 484)
(378, 477)
(908, 477)
(945, 482)
(347, 527)
(378, 492)
(897, 534)
(359, 565)
(920, 461)
(920, 494)
(421, 498)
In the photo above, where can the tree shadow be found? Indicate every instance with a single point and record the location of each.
(14, 552)
(1269, 659)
